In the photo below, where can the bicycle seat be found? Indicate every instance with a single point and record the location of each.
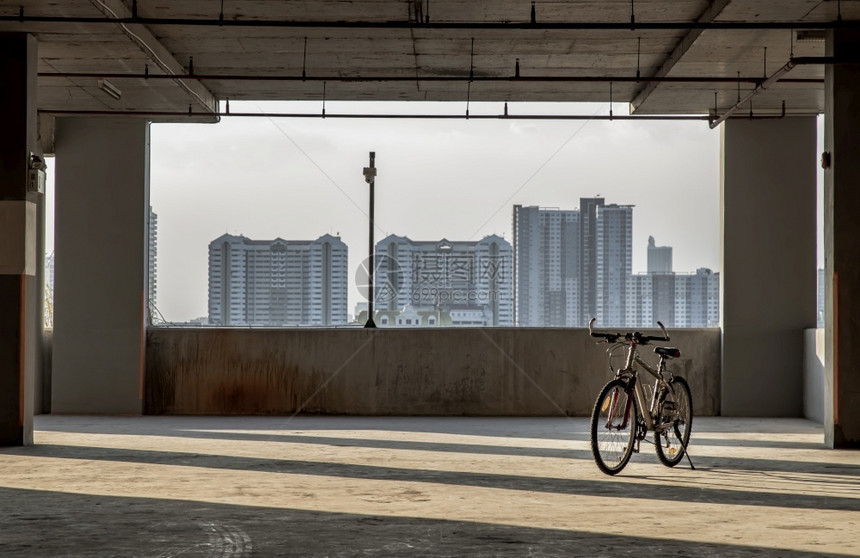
(667, 352)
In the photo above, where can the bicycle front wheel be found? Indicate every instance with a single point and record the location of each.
(675, 421)
(613, 427)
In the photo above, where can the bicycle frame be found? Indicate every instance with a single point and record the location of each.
(631, 370)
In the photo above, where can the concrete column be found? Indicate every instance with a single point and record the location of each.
(768, 263)
(102, 203)
(20, 322)
(842, 243)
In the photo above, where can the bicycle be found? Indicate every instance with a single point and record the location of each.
(627, 408)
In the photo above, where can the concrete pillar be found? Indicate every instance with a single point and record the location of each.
(768, 263)
(842, 243)
(20, 287)
(101, 232)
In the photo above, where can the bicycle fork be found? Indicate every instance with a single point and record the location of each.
(613, 406)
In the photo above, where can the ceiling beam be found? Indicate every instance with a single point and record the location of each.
(140, 35)
(442, 25)
(708, 16)
(179, 116)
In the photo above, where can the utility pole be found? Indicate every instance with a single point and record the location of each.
(370, 178)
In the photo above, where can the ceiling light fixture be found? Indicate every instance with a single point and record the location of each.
(811, 35)
(111, 89)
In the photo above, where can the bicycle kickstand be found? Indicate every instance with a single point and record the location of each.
(684, 445)
(690, 461)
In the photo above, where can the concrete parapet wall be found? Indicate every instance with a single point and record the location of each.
(813, 374)
(446, 371)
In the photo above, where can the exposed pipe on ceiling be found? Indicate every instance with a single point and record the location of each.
(774, 78)
(357, 79)
(437, 25)
(179, 114)
(359, 116)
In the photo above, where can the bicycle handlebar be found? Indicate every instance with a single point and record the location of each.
(634, 336)
(610, 337)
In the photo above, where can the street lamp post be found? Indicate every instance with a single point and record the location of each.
(370, 178)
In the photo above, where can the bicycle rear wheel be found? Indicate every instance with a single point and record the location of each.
(675, 422)
(613, 427)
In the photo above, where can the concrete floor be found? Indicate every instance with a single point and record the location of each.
(341, 486)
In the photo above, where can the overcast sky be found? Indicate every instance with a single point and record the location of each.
(455, 179)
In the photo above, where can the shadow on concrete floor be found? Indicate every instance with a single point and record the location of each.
(699, 492)
(45, 523)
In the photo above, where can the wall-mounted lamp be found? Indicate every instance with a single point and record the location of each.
(111, 89)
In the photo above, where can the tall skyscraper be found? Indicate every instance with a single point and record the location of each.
(659, 257)
(277, 282)
(572, 265)
(457, 278)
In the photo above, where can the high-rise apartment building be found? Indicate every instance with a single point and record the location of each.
(675, 299)
(588, 258)
(49, 290)
(614, 262)
(49, 272)
(548, 277)
(277, 282)
(659, 257)
(820, 299)
(697, 297)
(572, 265)
(458, 278)
(152, 265)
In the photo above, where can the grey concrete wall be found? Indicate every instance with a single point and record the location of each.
(101, 225)
(813, 374)
(521, 372)
(768, 263)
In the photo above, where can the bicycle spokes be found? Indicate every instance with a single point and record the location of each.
(674, 421)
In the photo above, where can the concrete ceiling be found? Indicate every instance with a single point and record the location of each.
(420, 50)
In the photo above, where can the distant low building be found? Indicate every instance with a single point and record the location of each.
(429, 316)
(409, 316)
